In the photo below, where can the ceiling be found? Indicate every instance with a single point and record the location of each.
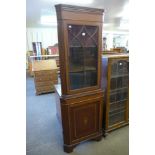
(116, 15)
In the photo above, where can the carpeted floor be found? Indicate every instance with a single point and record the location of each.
(44, 133)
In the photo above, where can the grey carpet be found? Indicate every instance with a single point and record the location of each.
(43, 133)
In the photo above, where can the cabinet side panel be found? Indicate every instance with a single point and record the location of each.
(104, 73)
(66, 123)
(62, 61)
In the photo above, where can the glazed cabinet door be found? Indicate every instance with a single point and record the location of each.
(83, 56)
(118, 92)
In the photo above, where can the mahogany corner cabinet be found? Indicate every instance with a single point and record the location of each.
(79, 97)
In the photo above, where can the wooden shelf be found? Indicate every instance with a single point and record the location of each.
(77, 68)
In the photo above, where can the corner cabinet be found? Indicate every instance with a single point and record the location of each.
(79, 97)
(115, 82)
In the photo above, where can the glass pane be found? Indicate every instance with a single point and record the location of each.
(119, 74)
(118, 105)
(90, 62)
(90, 78)
(113, 83)
(125, 81)
(119, 82)
(117, 118)
(113, 69)
(113, 97)
(119, 67)
(122, 95)
(123, 67)
(118, 91)
(83, 54)
(119, 95)
(76, 80)
(76, 59)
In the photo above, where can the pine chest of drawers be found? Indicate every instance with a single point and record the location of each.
(45, 76)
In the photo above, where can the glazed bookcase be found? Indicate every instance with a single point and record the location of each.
(115, 82)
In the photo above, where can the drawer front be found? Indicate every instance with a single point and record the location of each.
(45, 78)
(44, 73)
(45, 88)
(46, 83)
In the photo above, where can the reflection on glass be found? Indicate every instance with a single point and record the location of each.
(83, 52)
(120, 67)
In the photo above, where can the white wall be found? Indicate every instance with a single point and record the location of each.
(48, 36)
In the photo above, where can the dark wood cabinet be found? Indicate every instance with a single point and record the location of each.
(115, 82)
(79, 97)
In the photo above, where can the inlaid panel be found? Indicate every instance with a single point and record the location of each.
(85, 119)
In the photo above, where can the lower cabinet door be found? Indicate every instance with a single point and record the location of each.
(85, 119)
